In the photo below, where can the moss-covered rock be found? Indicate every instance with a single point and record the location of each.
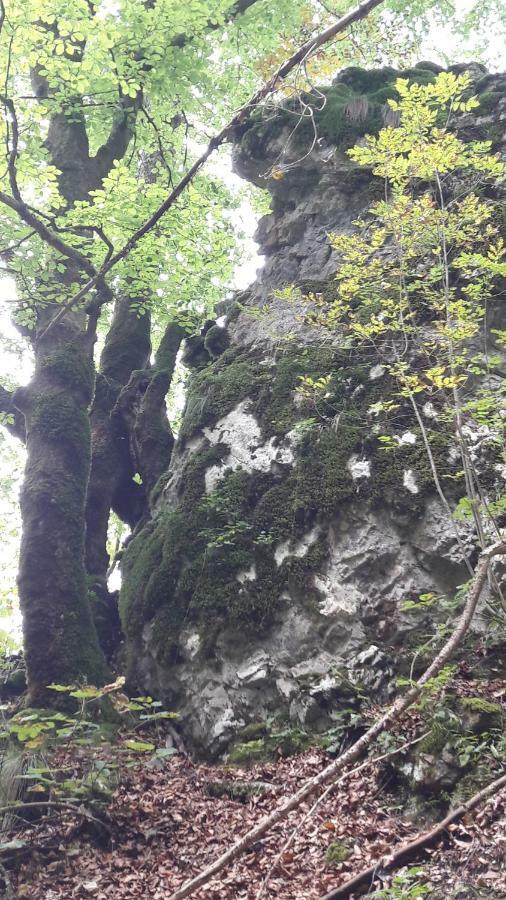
(270, 745)
(356, 104)
(248, 753)
(480, 715)
(186, 565)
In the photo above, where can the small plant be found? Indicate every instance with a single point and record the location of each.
(405, 886)
(337, 852)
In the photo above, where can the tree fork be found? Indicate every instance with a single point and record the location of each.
(111, 484)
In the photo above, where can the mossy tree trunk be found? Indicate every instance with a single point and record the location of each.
(60, 639)
(142, 407)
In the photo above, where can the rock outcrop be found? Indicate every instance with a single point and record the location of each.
(271, 580)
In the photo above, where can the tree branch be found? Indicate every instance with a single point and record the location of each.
(355, 751)
(48, 236)
(322, 797)
(309, 47)
(408, 851)
(15, 420)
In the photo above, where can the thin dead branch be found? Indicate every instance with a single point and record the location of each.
(409, 851)
(322, 797)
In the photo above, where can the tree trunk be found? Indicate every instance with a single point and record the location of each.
(111, 484)
(60, 640)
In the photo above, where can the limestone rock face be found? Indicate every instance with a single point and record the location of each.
(270, 581)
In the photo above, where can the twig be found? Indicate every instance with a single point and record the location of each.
(407, 851)
(316, 804)
(355, 751)
(360, 12)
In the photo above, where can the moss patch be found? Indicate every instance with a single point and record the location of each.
(355, 105)
(271, 745)
(337, 852)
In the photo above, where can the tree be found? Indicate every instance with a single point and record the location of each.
(96, 101)
(99, 100)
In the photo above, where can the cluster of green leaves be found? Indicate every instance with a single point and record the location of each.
(178, 72)
(41, 731)
(415, 282)
(35, 729)
(406, 885)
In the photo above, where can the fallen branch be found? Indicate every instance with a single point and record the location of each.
(355, 751)
(360, 12)
(52, 804)
(319, 801)
(408, 851)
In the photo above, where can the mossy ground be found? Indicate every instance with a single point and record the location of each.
(271, 744)
(337, 852)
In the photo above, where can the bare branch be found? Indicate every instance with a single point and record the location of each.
(332, 787)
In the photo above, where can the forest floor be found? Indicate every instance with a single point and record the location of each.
(163, 826)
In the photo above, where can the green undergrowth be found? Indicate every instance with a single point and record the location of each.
(461, 751)
(269, 744)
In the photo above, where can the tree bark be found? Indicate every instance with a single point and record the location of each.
(142, 406)
(60, 637)
(60, 640)
(111, 484)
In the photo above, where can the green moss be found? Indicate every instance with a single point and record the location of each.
(478, 704)
(186, 566)
(337, 852)
(489, 101)
(270, 745)
(289, 742)
(470, 784)
(248, 753)
(436, 739)
(351, 107)
(72, 366)
(158, 489)
(481, 715)
(57, 418)
(218, 388)
(253, 731)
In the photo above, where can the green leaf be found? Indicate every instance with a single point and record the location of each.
(139, 746)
